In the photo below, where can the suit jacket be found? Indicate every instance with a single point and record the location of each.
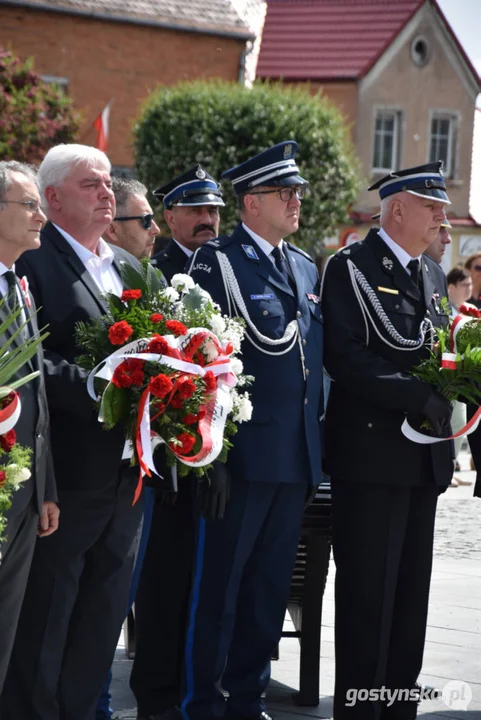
(86, 457)
(282, 442)
(32, 429)
(171, 260)
(372, 390)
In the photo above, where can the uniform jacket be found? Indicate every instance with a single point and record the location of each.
(86, 457)
(32, 429)
(170, 261)
(372, 390)
(282, 442)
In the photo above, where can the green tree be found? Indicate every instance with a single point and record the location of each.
(220, 125)
(34, 115)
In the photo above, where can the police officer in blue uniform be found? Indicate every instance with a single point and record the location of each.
(382, 301)
(191, 209)
(243, 563)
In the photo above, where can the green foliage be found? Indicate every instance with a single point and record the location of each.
(220, 125)
(34, 115)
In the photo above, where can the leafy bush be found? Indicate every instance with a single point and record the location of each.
(34, 115)
(220, 125)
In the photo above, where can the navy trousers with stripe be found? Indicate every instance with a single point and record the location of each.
(243, 569)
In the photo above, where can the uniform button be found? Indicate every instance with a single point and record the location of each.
(304, 342)
(428, 312)
(307, 371)
(265, 312)
(39, 435)
(396, 307)
(306, 400)
(299, 314)
(369, 425)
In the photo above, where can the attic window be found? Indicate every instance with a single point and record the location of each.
(420, 51)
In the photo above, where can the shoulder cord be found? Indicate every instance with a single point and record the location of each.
(359, 282)
(236, 302)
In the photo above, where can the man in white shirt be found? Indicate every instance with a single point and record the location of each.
(77, 591)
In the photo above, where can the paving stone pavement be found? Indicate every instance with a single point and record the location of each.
(452, 659)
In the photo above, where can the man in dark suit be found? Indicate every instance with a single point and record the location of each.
(191, 203)
(244, 562)
(34, 510)
(381, 299)
(77, 591)
(133, 228)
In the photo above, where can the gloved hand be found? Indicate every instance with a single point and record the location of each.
(310, 495)
(438, 410)
(214, 492)
(165, 483)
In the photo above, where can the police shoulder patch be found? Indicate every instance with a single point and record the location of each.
(351, 249)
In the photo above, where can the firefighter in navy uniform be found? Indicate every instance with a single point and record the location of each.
(191, 209)
(244, 562)
(381, 300)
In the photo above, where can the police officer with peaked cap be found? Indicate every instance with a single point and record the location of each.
(243, 563)
(191, 209)
(381, 300)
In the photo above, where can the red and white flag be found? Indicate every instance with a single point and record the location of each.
(101, 124)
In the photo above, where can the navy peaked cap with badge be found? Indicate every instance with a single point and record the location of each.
(425, 181)
(195, 187)
(274, 167)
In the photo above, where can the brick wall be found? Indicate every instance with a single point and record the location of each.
(104, 60)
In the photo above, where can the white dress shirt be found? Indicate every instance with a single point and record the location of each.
(188, 252)
(264, 245)
(4, 289)
(99, 266)
(403, 256)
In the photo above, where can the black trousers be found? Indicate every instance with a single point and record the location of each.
(162, 602)
(17, 552)
(382, 542)
(74, 606)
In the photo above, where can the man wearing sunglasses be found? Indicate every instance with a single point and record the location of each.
(133, 228)
(473, 264)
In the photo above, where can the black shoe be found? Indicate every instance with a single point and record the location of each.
(427, 692)
(172, 713)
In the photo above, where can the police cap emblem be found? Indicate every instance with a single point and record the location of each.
(200, 173)
(287, 151)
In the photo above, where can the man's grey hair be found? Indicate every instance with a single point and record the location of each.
(123, 189)
(9, 166)
(60, 160)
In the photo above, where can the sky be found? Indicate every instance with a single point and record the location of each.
(464, 16)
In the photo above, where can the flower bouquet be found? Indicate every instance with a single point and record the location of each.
(454, 364)
(163, 363)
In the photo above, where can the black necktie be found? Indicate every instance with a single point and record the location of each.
(11, 298)
(415, 270)
(281, 265)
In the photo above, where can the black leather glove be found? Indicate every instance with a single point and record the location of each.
(165, 483)
(214, 492)
(438, 410)
(310, 495)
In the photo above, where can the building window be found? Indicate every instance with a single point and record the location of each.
(386, 140)
(62, 82)
(420, 51)
(442, 141)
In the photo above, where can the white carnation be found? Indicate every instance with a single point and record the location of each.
(182, 282)
(237, 366)
(171, 294)
(242, 410)
(17, 475)
(209, 350)
(217, 323)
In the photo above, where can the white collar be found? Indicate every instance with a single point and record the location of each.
(403, 256)
(105, 252)
(264, 245)
(188, 252)
(4, 268)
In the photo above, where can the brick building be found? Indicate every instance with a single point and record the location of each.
(112, 49)
(404, 83)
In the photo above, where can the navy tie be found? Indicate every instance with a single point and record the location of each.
(415, 271)
(281, 265)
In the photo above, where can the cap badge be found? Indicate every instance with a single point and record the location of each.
(250, 252)
(199, 173)
(287, 151)
(387, 262)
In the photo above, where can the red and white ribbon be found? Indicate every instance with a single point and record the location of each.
(422, 439)
(9, 415)
(448, 359)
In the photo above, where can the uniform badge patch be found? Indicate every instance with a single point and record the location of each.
(250, 252)
(270, 296)
(313, 298)
(387, 262)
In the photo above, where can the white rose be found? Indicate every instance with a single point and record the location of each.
(243, 411)
(237, 366)
(17, 475)
(171, 294)
(217, 324)
(182, 282)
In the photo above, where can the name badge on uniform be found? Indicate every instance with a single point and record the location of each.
(313, 298)
(391, 291)
(270, 296)
(250, 252)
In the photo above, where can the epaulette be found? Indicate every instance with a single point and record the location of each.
(218, 242)
(298, 250)
(351, 249)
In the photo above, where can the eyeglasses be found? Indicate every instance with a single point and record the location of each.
(32, 205)
(286, 193)
(145, 220)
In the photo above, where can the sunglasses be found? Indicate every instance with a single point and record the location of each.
(145, 220)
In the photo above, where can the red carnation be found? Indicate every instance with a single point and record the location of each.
(120, 332)
(8, 440)
(210, 382)
(137, 377)
(156, 317)
(159, 345)
(199, 359)
(187, 443)
(176, 328)
(177, 402)
(131, 295)
(160, 385)
(185, 387)
(128, 373)
(3, 477)
(189, 419)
